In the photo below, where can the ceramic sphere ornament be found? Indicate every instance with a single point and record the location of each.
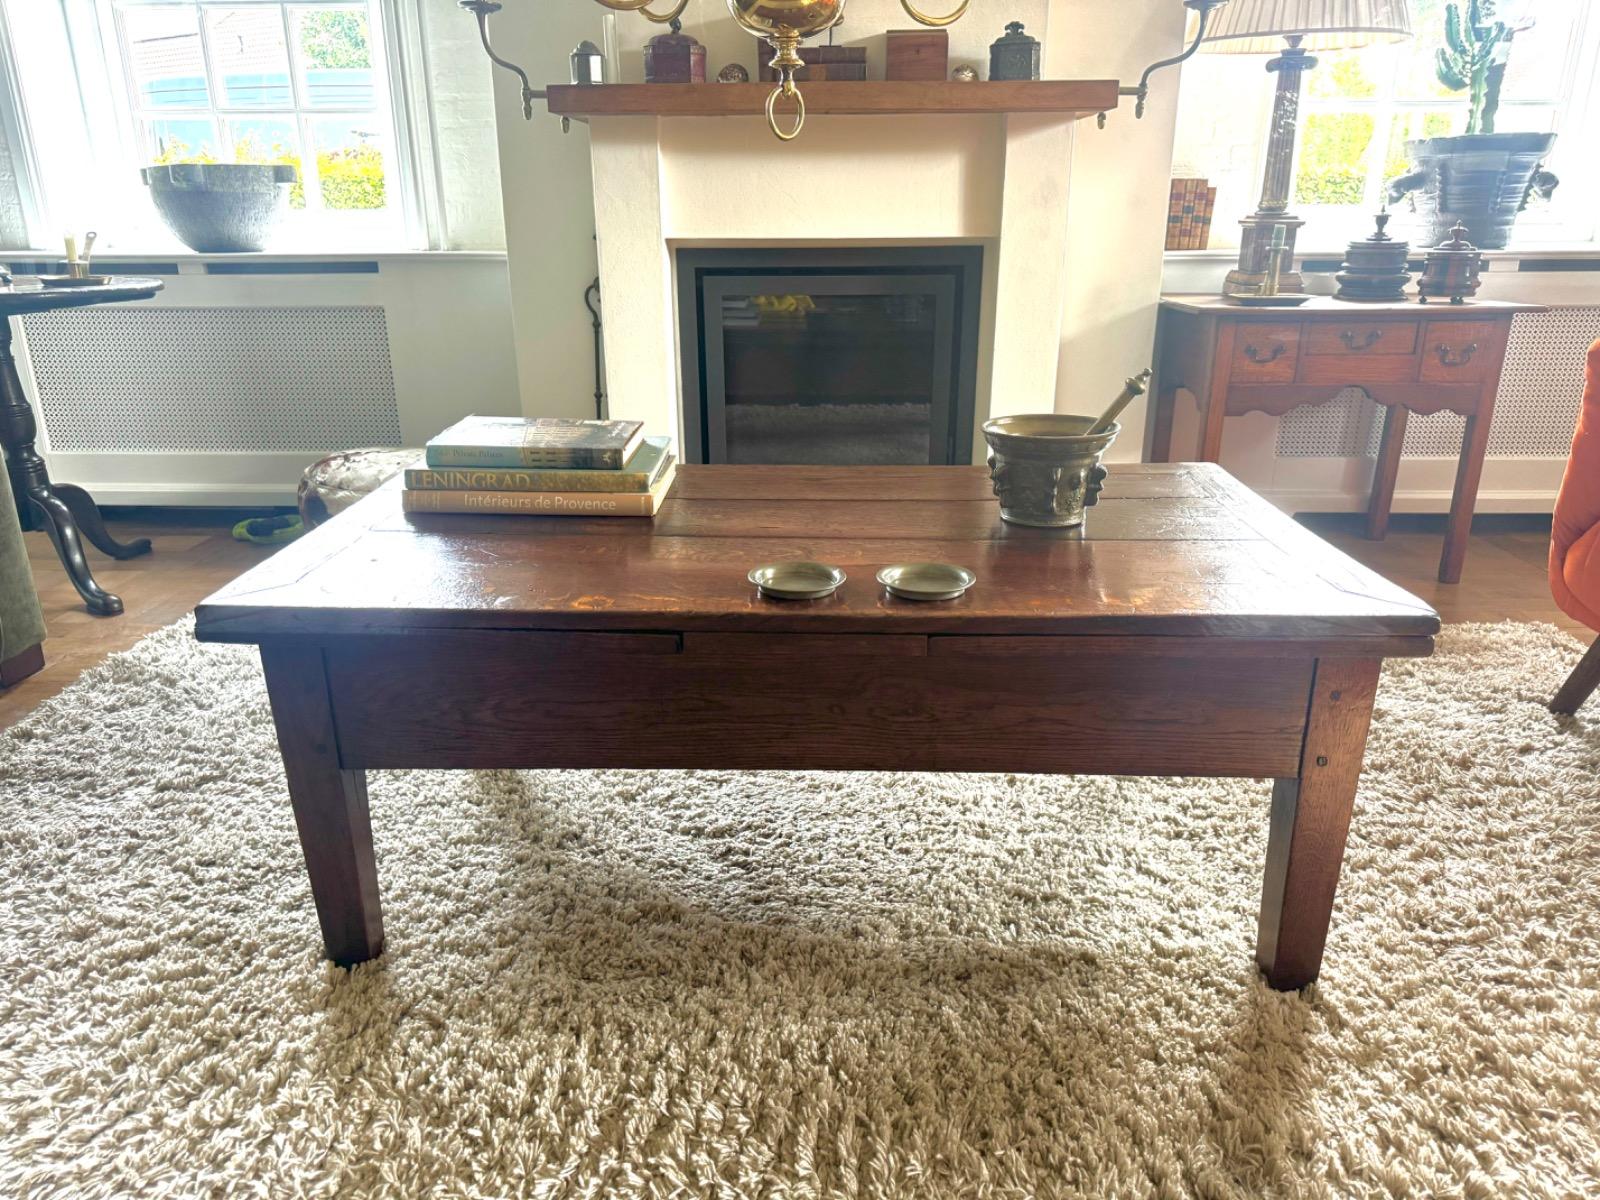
(964, 74)
(733, 73)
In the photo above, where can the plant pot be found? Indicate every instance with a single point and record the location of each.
(1482, 180)
(220, 208)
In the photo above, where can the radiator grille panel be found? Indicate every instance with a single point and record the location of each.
(1537, 406)
(195, 380)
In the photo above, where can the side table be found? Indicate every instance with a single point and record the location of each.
(63, 510)
(1408, 357)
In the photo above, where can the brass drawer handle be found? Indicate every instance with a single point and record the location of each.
(1348, 337)
(1262, 358)
(1449, 358)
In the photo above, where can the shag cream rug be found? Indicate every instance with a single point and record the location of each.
(632, 984)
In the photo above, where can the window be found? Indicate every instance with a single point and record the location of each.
(1360, 107)
(250, 81)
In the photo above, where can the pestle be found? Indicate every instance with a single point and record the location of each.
(1134, 389)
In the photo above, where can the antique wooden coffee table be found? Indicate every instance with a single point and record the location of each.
(1189, 629)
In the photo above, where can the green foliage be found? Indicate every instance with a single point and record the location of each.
(335, 39)
(352, 177)
(1471, 60)
(1333, 154)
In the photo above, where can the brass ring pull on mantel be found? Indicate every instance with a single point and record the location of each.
(1449, 358)
(1260, 359)
(786, 88)
(923, 18)
(1348, 337)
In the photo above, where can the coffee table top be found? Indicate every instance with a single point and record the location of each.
(1171, 549)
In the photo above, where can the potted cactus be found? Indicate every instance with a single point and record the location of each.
(1482, 178)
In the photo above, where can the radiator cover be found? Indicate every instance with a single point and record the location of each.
(197, 380)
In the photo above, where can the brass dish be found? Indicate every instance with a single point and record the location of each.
(797, 580)
(926, 580)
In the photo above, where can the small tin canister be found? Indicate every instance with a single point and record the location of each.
(674, 58)
(588, 64)
(1015, 55)
(1451, 269)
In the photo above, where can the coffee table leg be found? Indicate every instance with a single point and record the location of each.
(1310, 818)
(330, 805)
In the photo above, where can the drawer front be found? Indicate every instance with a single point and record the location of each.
(1265, 353)
(1460, 351)
(1362, 339)
(496, 700)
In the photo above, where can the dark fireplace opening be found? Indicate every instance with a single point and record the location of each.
(829, 356)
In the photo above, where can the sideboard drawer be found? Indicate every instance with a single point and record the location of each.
(1460, 351)
(1346, 339)
(1265, 353)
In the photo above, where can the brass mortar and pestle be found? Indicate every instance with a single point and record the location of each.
(1046, 466)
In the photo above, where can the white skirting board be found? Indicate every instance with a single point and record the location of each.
(245, 369)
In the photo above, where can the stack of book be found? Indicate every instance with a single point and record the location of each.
(547, 466)
(1189, 214)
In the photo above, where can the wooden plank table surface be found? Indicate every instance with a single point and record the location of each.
(1189, 629)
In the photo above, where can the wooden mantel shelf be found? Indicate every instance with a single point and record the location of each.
(1075, 98)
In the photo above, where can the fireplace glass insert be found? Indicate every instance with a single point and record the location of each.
(836, 357)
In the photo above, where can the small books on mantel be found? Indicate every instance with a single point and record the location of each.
(545, 466)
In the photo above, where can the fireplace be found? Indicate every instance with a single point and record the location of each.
(829, 356)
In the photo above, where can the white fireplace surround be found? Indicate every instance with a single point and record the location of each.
(1001, 182)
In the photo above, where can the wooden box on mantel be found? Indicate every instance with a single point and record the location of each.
(847, 63)
(919, 54)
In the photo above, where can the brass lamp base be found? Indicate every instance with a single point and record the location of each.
(1255, 251)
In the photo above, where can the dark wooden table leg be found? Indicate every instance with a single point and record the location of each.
(330, 805)
(62, 510)
(1474, 445)
(1310, 818)
(1388, 470)
(1580, 685)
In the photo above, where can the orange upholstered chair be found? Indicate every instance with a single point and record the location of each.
(1575, 540)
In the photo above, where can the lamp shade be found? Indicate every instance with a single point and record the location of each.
(1259, 26)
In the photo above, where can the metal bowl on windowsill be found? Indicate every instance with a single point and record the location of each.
(220, 208)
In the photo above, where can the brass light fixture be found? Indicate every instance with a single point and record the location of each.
(783, 25)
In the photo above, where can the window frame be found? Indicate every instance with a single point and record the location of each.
(108, 130)
(1386, 108)
(1204, 148)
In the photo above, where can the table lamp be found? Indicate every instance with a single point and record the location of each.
(1291, 29)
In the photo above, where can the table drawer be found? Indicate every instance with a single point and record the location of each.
(1460, 351)
(1265, 353)
(1367, 339)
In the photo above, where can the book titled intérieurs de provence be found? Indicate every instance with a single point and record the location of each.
(552, 442)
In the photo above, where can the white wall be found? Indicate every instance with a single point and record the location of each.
(455, 72)
(549, 206)
(1119, 203)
